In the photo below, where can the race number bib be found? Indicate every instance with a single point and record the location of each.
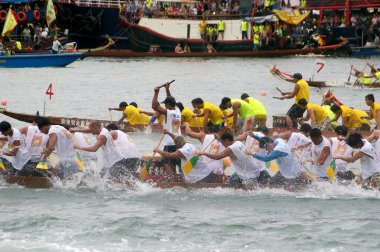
(36, 141)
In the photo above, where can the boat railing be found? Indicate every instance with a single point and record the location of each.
(199, 17)
(94, 3)
(68, 47)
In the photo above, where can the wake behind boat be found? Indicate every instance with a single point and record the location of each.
(20, 60)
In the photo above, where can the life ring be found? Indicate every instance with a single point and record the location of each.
(37, 15)
(66, 14)
(272, 44)
(21, 16)
(3, 15)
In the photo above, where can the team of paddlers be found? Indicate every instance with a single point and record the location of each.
(232, 134)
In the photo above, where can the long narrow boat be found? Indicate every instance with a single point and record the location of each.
(39, 59)
(279, 123)
(288, 77)
(247, 53)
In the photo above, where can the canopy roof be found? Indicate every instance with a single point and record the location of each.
(291, 18)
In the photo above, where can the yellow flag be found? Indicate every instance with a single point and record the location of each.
(50, 13)
(10, 23)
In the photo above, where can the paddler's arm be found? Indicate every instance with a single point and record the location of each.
(165, 154)
(286, 135)
(378, 118)
(13, 151)
(81, 130)
(23, 130)
(235, 112)
(243, 136)
(167, 88)
(101, 141)
(225, 153)
(3, 138)
(206, 113)
(290, 95)
(352, 159)
(155, 104)
(311, 114)
(121, 119)
(337, 115)
(50, 146)
(374, 136)
(197, 135)
(170, 134)
(118, 109)
(345, 120)
(146, 113)
(272, 156)
(324, 154)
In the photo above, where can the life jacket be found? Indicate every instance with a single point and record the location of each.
(221, 25)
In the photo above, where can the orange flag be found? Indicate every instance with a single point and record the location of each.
(10, 23)
(50, 13)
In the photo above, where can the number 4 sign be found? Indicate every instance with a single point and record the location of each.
(49, 91)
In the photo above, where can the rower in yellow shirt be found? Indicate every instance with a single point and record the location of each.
(315, 113)
(187, 115)
(350, 117)
(210, 111)
(300, 91)
(259, 110)
(374, 109)
(242, 113)
(132, 114)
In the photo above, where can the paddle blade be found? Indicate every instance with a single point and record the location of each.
(79, 161)
(2, 166)
(42, 165)
(272, 165)
(190, 164)
(145, 171)
(331, 170)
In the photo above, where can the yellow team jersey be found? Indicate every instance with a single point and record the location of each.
(303, 93)
(319, 113)
(133, 115)
(376, 107)
(188, 117)
(257, 106)
(245, 110)
(361, 114)
(330, 114)
(354, 118)
(215, 114)
(229, 120)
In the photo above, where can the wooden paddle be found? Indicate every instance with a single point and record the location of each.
(163, 85)
(144, 171)
(349, 77)
(282, 93)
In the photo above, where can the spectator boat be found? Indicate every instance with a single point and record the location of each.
(48, 59)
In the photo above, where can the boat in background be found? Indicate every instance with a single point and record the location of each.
(288, 77)
(47, 59)
(364, 51)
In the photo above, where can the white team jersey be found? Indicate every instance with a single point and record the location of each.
(341, 148)
(298, 139)
(369, 163)
(84, 140)
(289, 166)
(35, 142)
(110, 153)
(321, 170)
(214, 148)
(200, 170)
(125, 145)
(22, 156)
(252, 145)
(173, 125)
(245, 165)
(65, 142)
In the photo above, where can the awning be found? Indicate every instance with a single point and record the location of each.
(291, 18)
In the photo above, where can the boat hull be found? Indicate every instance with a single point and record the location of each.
(39, 60)
(365, 52)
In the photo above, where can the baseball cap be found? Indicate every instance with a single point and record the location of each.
(170, 100)
(297, 75)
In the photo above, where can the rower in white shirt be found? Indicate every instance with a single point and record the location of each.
(321, 154)
(18, 150)
(369, 163)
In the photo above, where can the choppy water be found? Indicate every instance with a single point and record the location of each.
(106, 217)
